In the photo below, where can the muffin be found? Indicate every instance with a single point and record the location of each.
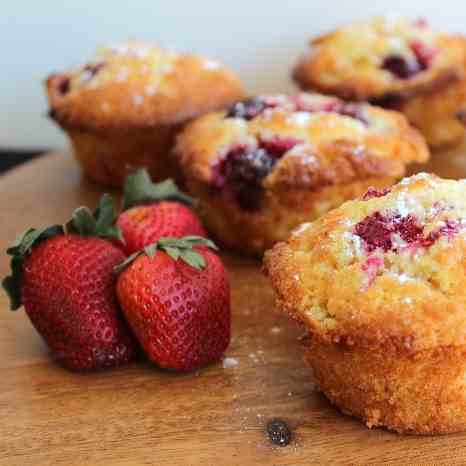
(380, 286)
(398, 64)
(123, 108)
(269, 163)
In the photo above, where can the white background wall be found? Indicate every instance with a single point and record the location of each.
(260, 39)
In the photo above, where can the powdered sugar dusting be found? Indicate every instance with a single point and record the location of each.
(122, 74)
(300, 118)
(151, 90)
(138, 100)
(210, 65)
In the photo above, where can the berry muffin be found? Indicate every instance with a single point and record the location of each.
(395, 63)
(269, 163)
(123, 108)
(380, 285)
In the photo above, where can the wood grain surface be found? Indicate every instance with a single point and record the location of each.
(140, 415)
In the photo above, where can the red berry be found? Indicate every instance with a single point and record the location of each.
(248, 109)
(373, 192)
(376, 230)
(68, 292)
(179, 313)
(424, 53)
(401, 67)
(145, 224)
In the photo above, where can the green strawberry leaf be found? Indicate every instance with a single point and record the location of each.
(200, 241)
(18, 252)
(105, 214)
(174, 253)
(120, 267)
(82, 222)
(176, 248)
(114, 232)
(193, 258)
(139, 189)
(9, 284)
(151, 250)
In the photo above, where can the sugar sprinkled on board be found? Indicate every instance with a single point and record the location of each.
(229, 362)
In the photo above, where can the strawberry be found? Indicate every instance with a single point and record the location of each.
(176, 297)
(65, 279)
(152, 211)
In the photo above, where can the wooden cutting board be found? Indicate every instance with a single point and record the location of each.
(140, 415)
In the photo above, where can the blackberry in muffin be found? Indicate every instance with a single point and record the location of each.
(268, 163)
(380, 285)
(396, 63)
(123, 108)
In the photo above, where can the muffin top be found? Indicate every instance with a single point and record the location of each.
(306, 141)
(386, 270)
(393, 56)
(140, 85)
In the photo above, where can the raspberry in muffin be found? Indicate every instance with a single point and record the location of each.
(380, 285)
(269, 163)
(396, 63)
(123, 108)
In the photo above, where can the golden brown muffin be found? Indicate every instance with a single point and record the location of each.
(397, 63)
(123, 108)
(269, 163)
(380, 285)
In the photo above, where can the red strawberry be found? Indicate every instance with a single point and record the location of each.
(155, 211)
(66, 282)
(176, 297)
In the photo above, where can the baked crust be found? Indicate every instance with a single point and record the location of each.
(108, 157)
(441, 125)
(380, 286)
(122, 110)
(349, 63)
(331, 157)
(140, 86)
(252, 233)
(321, 276)
(420, 394)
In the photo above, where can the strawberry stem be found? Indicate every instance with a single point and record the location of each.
(139, 189)
(101, 223)
(176, 248)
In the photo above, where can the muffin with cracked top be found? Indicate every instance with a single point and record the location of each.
(380, 285)
(123, 108)
(396, 63)
(269, 163)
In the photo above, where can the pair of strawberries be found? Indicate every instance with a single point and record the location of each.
(152, 262)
